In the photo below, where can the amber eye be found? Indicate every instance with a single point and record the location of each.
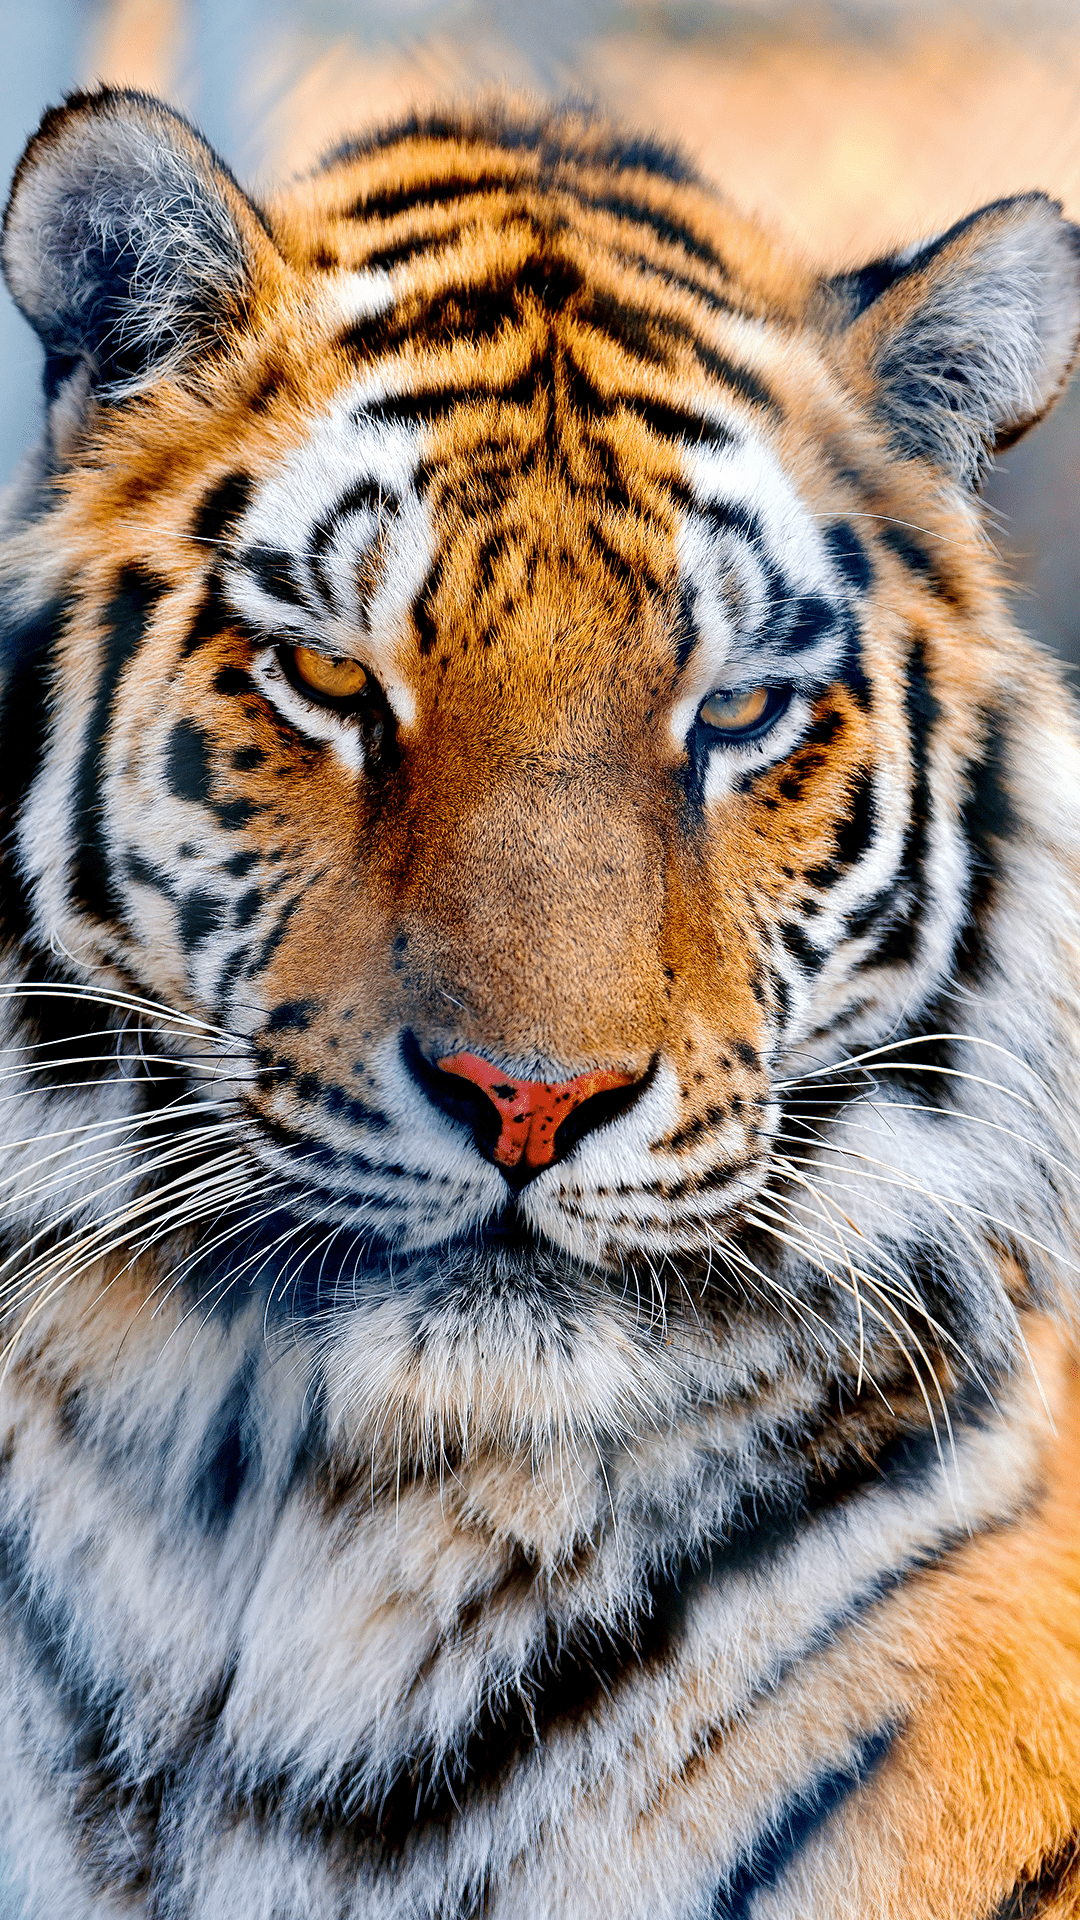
(743, 715)
(329, 677)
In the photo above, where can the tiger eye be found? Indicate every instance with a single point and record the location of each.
(735, 712)
(330, 675)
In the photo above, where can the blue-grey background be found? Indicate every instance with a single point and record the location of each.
(849, 123)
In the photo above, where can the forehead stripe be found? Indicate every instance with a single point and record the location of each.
(221, 508)
(849, 555)
(272, 568)
(813, 618)
(391, 203)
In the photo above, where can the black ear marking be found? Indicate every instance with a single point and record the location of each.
(127, 243)
(963, 342)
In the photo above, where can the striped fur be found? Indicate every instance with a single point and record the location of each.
(687, 1531)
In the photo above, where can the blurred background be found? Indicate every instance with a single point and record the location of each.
(850, 126)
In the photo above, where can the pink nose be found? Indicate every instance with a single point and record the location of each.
(530, 1110)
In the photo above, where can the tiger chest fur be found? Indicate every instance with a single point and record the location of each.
(539, 996)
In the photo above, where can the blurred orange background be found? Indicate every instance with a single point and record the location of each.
(850, 127)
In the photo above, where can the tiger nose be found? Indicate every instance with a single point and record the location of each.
(520, 1124)
(532, 1111)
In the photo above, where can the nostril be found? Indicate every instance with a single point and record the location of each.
(598, 1109)
(454, 1096)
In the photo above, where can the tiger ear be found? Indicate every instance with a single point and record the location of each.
(959, 345)
(127, 243)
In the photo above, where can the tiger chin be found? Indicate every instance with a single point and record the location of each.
(539, 946)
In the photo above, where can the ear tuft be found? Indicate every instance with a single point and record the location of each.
(962, 343)
(127, 243)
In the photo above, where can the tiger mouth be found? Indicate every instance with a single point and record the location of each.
(306, 1274)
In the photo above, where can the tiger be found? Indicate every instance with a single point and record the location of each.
(540, 944)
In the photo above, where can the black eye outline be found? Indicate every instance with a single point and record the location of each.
(352, 703)
(777, 702)
(367, 709)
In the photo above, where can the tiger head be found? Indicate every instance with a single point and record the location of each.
(505, 660)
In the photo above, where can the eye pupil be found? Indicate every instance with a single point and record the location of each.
(329, 676)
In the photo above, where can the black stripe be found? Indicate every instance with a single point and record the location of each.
(455, 313)
(272, 568)
(922, 711)
(60, 1027)
(781, 1843)
(667, 279)
(987, 819)
(811, 619)
(562, 1687)
(669, 422)
(427, 631)
(463, 312)
(221, 508)
(726, 516)
(364, 496)
(434, 403)
(746, 384)
(1030, 1897)
(116, 1813)
(201, 915)
(227, 1459)
(920, 559)
(798, 944)
(856, 829)
(387, 258)
(544, 140)
(27, 659)
(636, 577)
(213, 617)
(849, 555)
(428, 403)
(674, 423)
(675, 232)
(574, 1673)
(852, 671)
(684, 633)
(638, 330)
(189, 763)
(644, 333)
(126, 619)
(145, 874)
(391, 201)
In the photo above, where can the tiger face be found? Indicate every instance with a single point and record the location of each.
(531, 674)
